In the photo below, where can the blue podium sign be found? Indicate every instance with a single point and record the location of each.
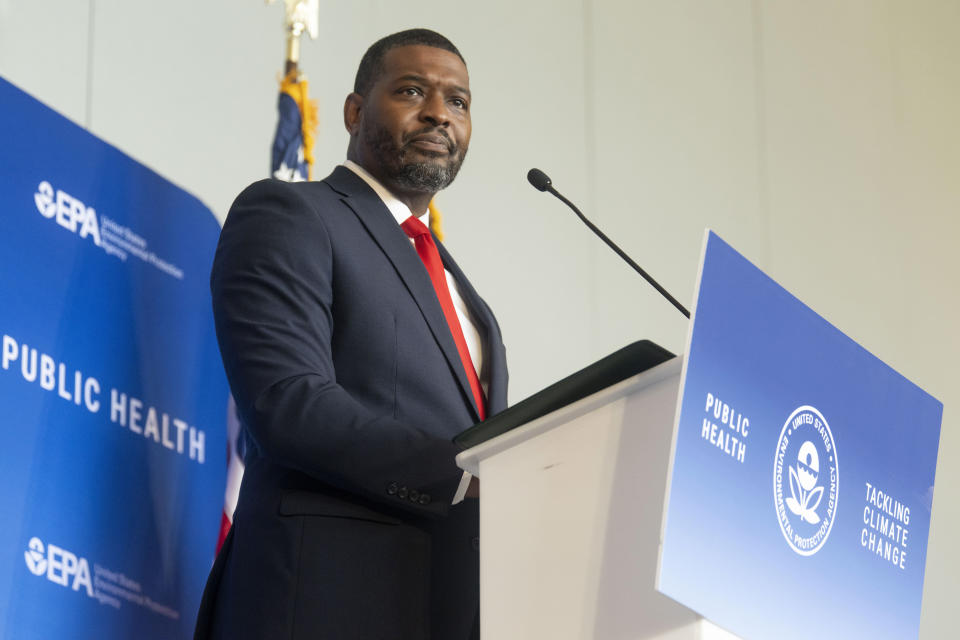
(114, 399)
(802, 473)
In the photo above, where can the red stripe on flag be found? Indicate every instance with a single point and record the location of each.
(224, 530)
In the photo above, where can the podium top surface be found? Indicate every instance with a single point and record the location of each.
(469, 460)
(616, 367)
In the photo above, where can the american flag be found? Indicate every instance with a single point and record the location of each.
(292, 156)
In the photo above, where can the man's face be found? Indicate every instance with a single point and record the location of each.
(412, 129)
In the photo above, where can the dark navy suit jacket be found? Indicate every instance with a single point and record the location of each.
(350, 388)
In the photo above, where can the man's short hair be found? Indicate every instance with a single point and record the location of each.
(371, 65)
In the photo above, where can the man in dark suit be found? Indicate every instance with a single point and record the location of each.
(351, 379)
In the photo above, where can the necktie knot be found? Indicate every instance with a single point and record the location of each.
(413, 227)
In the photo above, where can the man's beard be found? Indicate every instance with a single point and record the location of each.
(423, 177)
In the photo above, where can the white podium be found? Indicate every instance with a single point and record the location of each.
(570, 518)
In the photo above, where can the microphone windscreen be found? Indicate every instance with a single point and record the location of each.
(538, 179)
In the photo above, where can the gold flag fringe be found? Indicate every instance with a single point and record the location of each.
(436, 221)
(296, 87)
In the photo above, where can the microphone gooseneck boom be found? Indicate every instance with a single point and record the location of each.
(542, 182)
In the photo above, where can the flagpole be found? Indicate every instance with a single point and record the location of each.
(300, 16)
(293, 51)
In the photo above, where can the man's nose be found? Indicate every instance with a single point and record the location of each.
(434, 110)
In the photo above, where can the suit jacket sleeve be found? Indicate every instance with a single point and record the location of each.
(272, 301)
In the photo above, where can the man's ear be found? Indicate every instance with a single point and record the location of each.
(352, 107)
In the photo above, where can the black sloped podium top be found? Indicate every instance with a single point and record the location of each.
(616, 367)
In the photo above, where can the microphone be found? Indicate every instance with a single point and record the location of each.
(542, 182)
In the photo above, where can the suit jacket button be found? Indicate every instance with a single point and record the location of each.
(402, 493)
(475, 543)
(424, 498)
(414, 495)
(392, 488)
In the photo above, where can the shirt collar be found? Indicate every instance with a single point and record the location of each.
(399, 210)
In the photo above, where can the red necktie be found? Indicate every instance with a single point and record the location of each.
(427, 251)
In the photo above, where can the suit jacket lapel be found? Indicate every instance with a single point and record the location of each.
(391, 239)
(494, 361)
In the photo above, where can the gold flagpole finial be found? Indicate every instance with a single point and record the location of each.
(301, 16)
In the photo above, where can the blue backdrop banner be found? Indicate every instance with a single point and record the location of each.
(803, 470)
(114, 399)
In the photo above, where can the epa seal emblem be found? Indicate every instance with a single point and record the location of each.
(806, 481)
(36, 561)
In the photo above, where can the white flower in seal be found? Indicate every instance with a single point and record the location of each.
(804, 498)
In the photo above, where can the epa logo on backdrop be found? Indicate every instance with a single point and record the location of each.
(60, 566)
(114, 238)
(805, 480)
(69, 212)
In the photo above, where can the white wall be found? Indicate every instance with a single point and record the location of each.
(863, 164)
(820, 139)
(816, 136)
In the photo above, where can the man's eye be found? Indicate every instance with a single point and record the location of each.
(459, 103)
(410, 91)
